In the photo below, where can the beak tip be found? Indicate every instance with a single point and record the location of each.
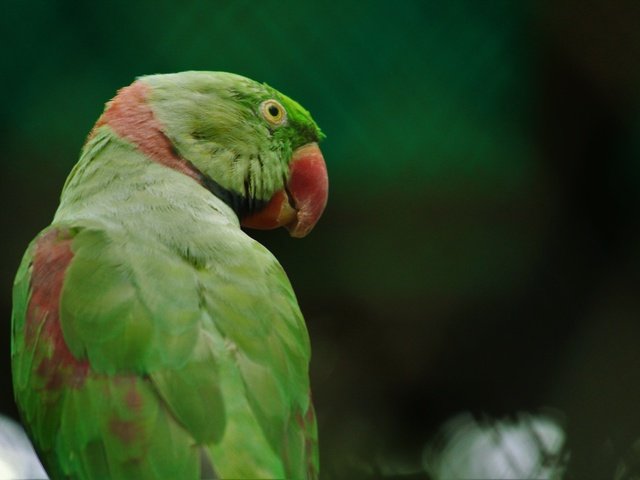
(309, 186)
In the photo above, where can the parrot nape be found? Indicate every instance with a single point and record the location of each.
(151, 337)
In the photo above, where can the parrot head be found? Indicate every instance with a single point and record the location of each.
(250, 145)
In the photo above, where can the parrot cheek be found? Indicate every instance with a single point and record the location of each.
(299, 206)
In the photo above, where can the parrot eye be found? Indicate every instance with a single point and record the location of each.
(273, 112)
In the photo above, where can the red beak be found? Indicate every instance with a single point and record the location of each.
(299, 206)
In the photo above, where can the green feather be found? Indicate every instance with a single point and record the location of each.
(194, 338)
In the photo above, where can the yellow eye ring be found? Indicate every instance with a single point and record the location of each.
(273, 112)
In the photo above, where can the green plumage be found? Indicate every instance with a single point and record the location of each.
(195, 348)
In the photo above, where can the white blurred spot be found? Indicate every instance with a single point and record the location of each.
(18, 460)
(529, 447)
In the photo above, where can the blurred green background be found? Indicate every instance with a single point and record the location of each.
(480, 250)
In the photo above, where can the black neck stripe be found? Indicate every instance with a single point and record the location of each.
(242, 205)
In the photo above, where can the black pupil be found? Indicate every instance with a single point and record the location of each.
(273, 111)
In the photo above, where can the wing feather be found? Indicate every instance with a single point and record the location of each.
(163, 357)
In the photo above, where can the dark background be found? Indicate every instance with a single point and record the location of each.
(480, 251)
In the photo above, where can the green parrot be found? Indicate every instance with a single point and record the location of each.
(151, 337)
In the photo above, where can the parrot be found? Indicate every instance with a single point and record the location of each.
(152, 338)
